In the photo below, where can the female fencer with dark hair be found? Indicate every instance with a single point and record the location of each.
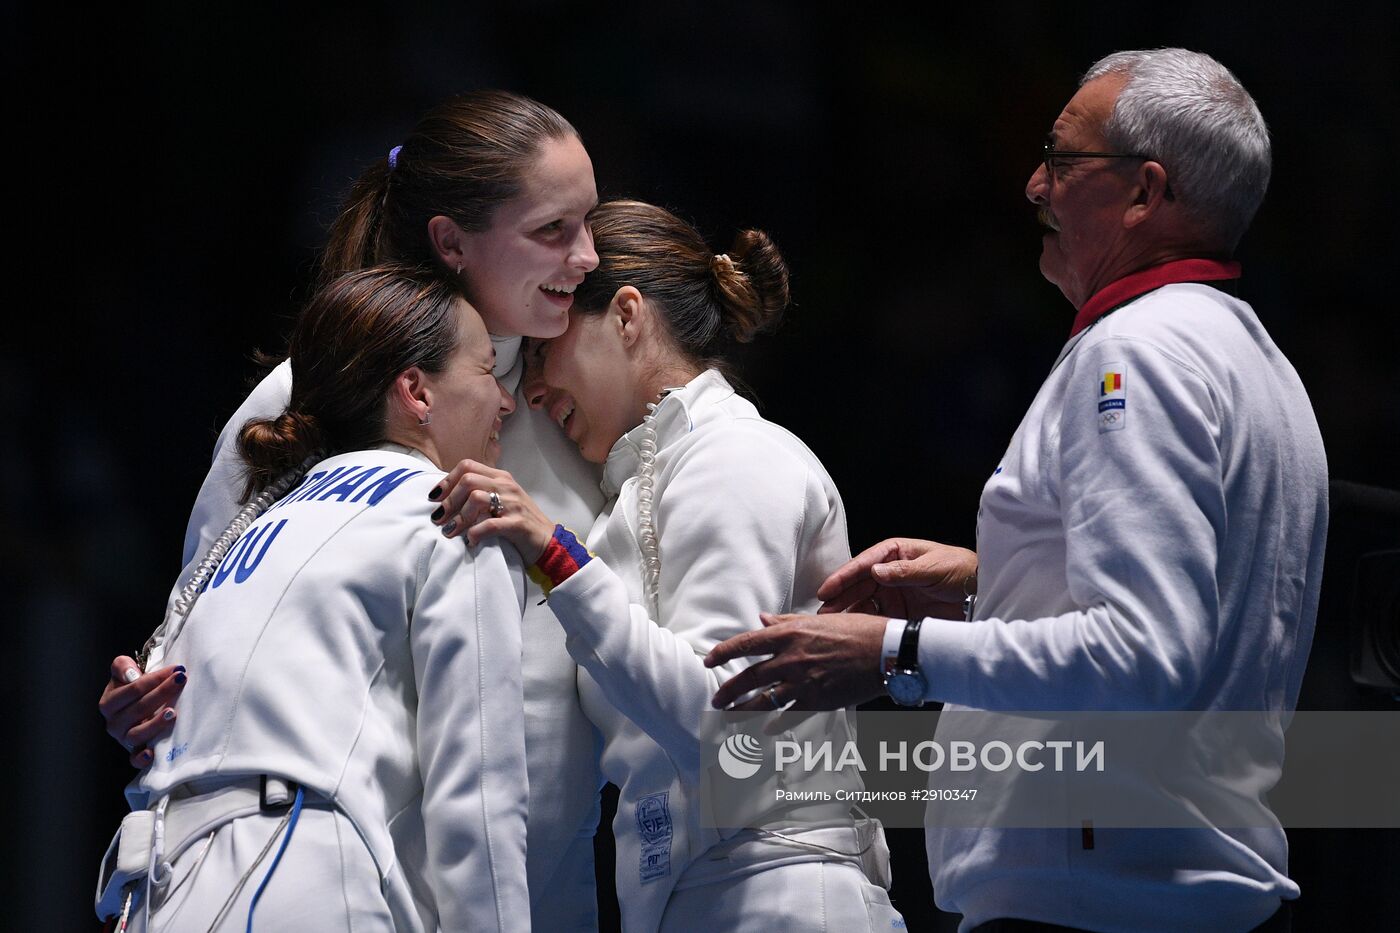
(493, 188)
(352, 754)
(714, 515)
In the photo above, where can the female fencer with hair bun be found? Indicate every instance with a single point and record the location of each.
(352, 754)
(714, 515)
(495, 189)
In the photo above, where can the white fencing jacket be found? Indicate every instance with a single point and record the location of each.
(562, 744)
(748, 522)
(344, 644)
(1152, 540)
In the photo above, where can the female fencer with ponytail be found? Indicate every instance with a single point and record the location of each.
(714, 515)
(352, 752)
(494, 189)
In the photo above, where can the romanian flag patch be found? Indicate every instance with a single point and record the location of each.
(1112, 397)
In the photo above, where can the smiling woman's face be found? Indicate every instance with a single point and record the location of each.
(584, 379)
(467, 403)
(520, 273)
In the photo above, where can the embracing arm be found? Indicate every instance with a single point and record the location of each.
(746, 526)
(745, 522)
(465, 640)
(140, 708)
(217, 502)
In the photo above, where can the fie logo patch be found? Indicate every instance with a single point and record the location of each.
(1112, 397)
(654, 828)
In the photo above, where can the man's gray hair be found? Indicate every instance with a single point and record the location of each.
(1187, 111)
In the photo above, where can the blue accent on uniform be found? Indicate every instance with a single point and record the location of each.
(325, 481)
(1108, 403)
(351, 484)
(296, 490)
(291, 827)
(386, 484)
(318, 485)
(229, 562)
(245, 569)
(236, 562)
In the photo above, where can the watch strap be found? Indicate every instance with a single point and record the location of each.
(908, 658)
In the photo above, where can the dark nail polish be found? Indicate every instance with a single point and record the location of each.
(180, 668)
(180, 678)
(436, 494)
(449, 528)
(437, 513)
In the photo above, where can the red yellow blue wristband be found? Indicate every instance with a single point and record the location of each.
(563, 557)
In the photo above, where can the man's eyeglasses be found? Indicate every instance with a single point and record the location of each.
(1051, 156)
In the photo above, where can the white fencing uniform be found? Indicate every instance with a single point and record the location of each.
(345, 645)
(562, 746)
(1152, 540)
(748, 521)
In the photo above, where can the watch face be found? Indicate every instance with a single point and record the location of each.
(906, 687)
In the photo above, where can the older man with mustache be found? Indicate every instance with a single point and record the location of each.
(1151, 540)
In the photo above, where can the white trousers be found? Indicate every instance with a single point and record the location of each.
(326, 881)
(806, 897)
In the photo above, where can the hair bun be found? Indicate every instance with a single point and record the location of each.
(753, 283)
(272, 446)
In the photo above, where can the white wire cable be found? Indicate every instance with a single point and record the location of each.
(651, 584)
(646, 496)
(646, 522)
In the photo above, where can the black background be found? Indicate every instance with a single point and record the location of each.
(171, 171)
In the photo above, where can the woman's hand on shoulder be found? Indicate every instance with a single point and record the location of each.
(140, 708)
(484, 502)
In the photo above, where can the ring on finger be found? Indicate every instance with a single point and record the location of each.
(772, 695)
(497, 510)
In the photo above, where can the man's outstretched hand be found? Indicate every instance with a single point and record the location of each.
(821, 662)
(903, 578)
